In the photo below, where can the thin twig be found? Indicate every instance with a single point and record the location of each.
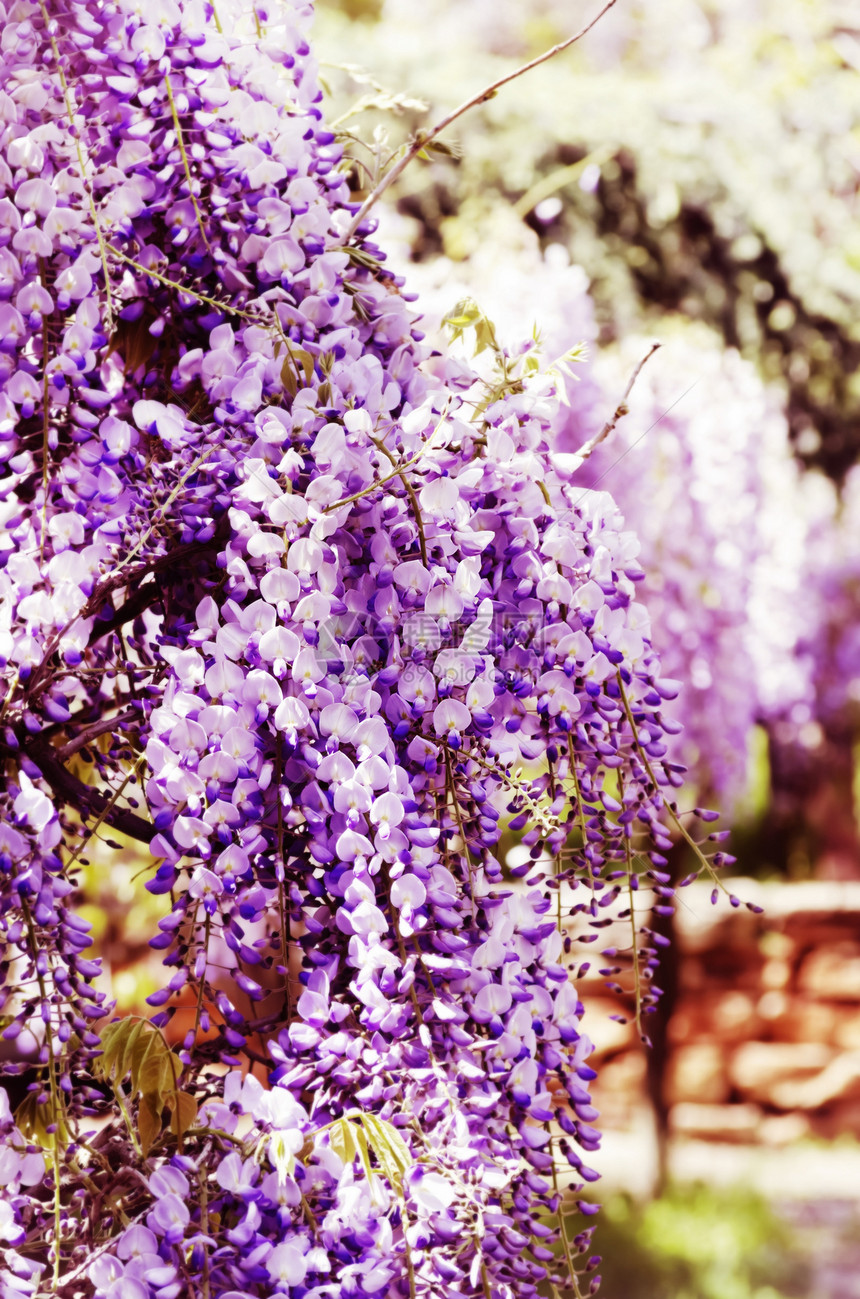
(467, 852)
(58, 1112)
(181, 288)
(84, 798)
(704, 863)
(82, 163)
(281, 872)
(46, 417)
(186, 164)
(397, 472)
(13, 686)
(562, 1228)
(410, 492)
(106, 811)
(115, 581)
(98, 728)
(162, 512)
(423, 138)
(207, 929)
(627, 450)
(620, 411)
(94, 1254)
(634, 937)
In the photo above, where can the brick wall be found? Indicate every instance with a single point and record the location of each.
(763, 1038)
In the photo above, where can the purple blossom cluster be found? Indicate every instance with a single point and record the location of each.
(831, 639)
(701, 468)
(307, 609)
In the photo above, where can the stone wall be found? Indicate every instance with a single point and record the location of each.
(763, 1038)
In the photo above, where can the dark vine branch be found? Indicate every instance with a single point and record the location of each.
(424, 138)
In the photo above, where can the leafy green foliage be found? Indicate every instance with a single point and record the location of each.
(134, 1049)
(34, 1119)
(697, 1242)
(359, 1134)
(468, 315)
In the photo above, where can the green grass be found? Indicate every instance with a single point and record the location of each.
(697, 1242)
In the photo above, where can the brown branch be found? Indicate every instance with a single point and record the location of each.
(95, 729)
(143, 598)
(410, 492)
(83, 798)
(423, 138)
(123, 577)
(620, 411)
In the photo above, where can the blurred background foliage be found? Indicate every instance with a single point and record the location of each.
(705, 162)
(698, 1242)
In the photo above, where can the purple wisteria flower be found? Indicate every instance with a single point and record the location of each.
(319, 618)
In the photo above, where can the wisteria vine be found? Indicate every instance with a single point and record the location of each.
(305, 609)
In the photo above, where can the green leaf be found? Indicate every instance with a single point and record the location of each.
(362, 1135)
(391, 1151)
(440, 147)
(484, 335)
(151, 1070)
(288, 377)
(297, 363)
(183, 1109)
(148, 1123)
(307, 362)
(361, 258)
(119, 1043)
(360, 1138)
(465, 313)
(130, 1043)
(106, 1061)
(33, 1121)
(468, 315)
(134, 1047)
(341, 1138)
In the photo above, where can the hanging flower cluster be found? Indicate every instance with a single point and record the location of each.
(832, 571)
(703, 473)
(307, 610)
(701, 469)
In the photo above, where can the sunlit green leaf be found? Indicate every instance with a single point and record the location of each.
(341, 1138)
(183, 1109)
(148, 1123)
(33, 1120)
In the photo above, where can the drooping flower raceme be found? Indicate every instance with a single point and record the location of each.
(702, 470)
(318, 616)
(831, 638)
